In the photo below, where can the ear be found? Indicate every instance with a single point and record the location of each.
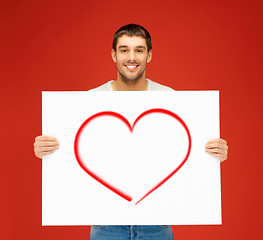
(149, 57)
(113, 55)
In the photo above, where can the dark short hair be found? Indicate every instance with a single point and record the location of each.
(132, 30)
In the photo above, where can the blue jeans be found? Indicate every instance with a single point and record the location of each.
(136, 232)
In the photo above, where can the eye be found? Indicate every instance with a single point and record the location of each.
(139, 50)
(123, 50)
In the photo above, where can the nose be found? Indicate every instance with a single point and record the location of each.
(131, 56)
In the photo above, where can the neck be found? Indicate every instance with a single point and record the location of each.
(120, 85)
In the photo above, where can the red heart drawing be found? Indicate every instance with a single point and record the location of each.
(124, 120)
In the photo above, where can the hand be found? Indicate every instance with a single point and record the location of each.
(218, 148)
(45, 145)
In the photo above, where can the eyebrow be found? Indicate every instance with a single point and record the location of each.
(125, 46)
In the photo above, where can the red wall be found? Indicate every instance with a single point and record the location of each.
(65, 45)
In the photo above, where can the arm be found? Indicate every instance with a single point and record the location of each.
(218, 148)
(45, 145)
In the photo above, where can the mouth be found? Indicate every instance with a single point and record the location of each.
(132, 67)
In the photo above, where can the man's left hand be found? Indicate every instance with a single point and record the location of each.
(218, 148)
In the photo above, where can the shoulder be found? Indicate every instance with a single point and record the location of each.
(104, 87)
(154, 86)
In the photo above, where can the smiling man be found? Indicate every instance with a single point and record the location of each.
(131, 55)
(131, 51)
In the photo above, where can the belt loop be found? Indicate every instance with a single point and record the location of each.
(131, 232)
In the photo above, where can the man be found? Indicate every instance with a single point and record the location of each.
(131, 50)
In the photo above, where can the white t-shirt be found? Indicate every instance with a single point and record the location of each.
(152, 86)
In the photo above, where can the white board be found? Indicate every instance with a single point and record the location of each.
(109, 171)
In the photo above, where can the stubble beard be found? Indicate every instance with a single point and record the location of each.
(130, 81)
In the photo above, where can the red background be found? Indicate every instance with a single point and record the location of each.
(65, 45)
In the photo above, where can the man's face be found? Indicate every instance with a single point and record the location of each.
(131, 57)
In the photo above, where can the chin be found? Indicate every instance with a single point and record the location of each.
(130, 80)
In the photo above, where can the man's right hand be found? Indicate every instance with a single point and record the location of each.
(45, 145)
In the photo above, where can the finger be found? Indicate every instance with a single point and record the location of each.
(216, 145)
(43, 153)
(220, 157)
(218, 140)
(216, 150)
(45, 138)
(221, 154)
(45, 143)
(44, 149)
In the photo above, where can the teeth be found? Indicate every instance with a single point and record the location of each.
(131, 66)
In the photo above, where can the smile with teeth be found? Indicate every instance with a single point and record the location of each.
(131, 67)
